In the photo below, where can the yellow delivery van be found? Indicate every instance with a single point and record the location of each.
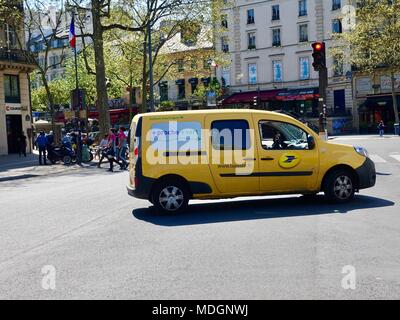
(213, 154)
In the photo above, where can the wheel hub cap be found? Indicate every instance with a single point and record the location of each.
(171, 198)
(343, 187)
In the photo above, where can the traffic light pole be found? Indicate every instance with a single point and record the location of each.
(323, 84)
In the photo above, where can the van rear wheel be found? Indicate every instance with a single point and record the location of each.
(340, 186)
(170, 196)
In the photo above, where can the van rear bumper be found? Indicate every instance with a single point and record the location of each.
(366, 174)
(143, 190)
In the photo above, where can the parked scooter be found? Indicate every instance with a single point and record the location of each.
(62, 153)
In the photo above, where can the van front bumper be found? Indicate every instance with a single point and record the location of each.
(366, 174)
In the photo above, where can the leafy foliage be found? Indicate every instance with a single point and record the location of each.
(374, 40)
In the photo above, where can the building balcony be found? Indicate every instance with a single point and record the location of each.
(17, 59)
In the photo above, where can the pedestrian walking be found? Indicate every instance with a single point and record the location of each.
(381, 128)
(112, 144)
(99, 153)
(122, 146)
(41, 143)
(22, 144)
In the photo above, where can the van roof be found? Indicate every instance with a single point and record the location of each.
(213, 111)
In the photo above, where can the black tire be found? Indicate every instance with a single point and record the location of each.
(170, 196)
(339, 186)
(67, 160)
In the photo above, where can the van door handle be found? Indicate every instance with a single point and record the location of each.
(267, 159)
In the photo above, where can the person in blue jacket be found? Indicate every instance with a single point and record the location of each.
(41, 142)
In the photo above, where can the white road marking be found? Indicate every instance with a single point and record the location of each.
(377, 159)
(395, 156)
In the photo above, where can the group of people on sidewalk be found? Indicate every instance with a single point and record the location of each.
(114, 146)
(44, 142)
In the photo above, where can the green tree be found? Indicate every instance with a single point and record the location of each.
(60, 95)
(373, 41)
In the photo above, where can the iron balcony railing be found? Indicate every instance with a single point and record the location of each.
(17, 56)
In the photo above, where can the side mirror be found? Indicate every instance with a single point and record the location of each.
(311, 142)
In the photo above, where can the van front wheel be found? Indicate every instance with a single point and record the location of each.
(340, 186)
(170, 196)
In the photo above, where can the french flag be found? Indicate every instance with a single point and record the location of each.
(72, 37)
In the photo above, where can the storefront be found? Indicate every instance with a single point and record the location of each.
(373, 110)
(374, 101)
(16, 120)
(302, 102)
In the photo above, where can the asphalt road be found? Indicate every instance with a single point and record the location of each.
(104, 244)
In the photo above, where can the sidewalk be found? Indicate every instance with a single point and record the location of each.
(13, 167)
(363, 137)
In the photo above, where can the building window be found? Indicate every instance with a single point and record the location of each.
(224, 44)
(338, 65)
(193, 64)
(276, 37)
(11, 37)
(181, 90)
(11, 89)
(180, 64)
(41, 62)
(224, 21)
(193, 86)
(250, 16)
(277, 70)
(302, 8)
(336, 4)
(336, 26)
(303, 33)
(230, 135)
(164, 91)
(54, 62)
(339, 102)
(251, 36)
(226, 78)
(252, 73)
(304, 64)
(275, 12)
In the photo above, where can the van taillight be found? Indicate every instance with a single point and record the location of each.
(136, 180)
(135, 153)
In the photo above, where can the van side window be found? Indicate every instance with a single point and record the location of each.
(276, 135)
(230, 135)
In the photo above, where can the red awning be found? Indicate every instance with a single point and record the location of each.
(248, 97)
(298, 95)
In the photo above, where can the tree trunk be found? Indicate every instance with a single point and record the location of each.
(394, 98)
(144, 76)
(51, 103)
(98, 45)
(131, 93)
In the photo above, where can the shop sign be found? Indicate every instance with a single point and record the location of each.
(13, 108)
(386, 83)
(363, 85)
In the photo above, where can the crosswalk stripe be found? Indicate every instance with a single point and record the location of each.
(395, 156)
(376, 158)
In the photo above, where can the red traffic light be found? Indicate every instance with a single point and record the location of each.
(318, 46)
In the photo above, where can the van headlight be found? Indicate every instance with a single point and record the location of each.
(362, 151)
